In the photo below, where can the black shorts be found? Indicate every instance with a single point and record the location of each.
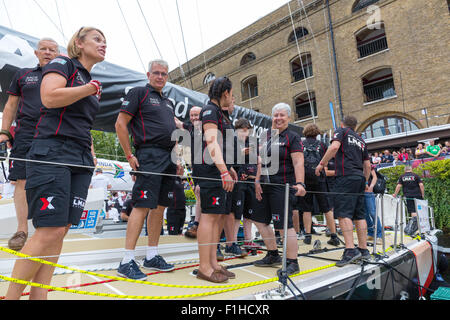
(411, 205)
(244, 199)
(349, 203)
(17, 168)
(271, 207)
(317, 191)
(151, 190)
(330, 181)
(175, 220)
(56, 194)
(214, 199)
(298, 203)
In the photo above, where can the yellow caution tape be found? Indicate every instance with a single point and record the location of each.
(230, 287)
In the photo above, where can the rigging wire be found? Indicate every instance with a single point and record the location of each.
(7, 14)
(51, 20)
(59, 17)
(184, 44)
(301, 62)
(149, 30)
(201, 35)
(131, 35)
(173, 45)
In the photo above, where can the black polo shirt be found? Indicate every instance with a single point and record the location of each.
(26, 84)
(196, 151)
(410, 183)
(153, 117)
(321, 148)
(127, 207)
(288, 142)
(212, 113)
(76, 120)
(178, 196)
(352, 153)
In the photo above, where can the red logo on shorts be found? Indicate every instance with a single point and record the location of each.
(143, 195)
(215, 201)
(47, 203)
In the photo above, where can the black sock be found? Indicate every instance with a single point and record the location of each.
(333, 235)
(273, 252)
(288, 261)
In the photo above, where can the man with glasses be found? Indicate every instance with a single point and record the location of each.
(151, 118)
(24, 91)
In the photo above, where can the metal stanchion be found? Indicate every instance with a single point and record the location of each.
(283, 279)
(402, 211)
(433, 225)
(375, 224)
(382, 225)
(396, 224)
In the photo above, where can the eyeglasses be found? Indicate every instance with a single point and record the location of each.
(157, 74)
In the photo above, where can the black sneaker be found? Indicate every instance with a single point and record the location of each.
(365, 254)
(268, 261)
(291, 269)
(307, 239)
(411, 227)
(220, 256)
(334, 241)
(349, 256)
(235, 251)
(131, 270)
(158, 263)
(279, 243)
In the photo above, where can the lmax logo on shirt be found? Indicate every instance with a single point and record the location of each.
(352, 141)
(410, 178)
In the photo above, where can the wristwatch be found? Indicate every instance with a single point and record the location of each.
(302, 184)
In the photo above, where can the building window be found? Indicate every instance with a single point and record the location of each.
(209, 77)
(305, 106)
(378, 85)
(361, 4)
(388, 125)
(300, 32)
(248, 57)
(370, 41)
(249, 88)
(301, 69)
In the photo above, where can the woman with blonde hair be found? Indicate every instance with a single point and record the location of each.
(56, 194)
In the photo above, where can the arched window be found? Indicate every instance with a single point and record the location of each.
(209, 77)
(300, 32)
(249, 88)
(388, 125)
(248, 57)
(378, 85)
(370, 41)
(301, 69)
(361, 4)
(305, 106)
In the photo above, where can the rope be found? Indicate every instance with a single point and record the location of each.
(51, 20)
(184, 44)
(149, 30)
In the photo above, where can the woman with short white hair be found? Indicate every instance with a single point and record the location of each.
(271, 195)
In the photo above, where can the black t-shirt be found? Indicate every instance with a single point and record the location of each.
(212, 113)
(76, 120)
(410, 182)
(128, 205)
(245, 164)
(26, 84)
(178, 198)
(321, 148)
(352, 153)
(288, 142)
(153, 117)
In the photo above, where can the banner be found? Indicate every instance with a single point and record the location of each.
(17, 51)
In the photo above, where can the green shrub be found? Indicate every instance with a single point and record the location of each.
(190, 196)
(436, 179)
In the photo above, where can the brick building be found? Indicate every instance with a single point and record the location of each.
(392, 64)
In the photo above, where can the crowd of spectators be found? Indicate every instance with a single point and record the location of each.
(405, 155)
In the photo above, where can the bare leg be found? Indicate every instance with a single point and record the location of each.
(346, 225)
(247, 229)
(154, 225)
(267, 234)
(361, 231)
(207, 236)
(330, 221)
(134, 227)
(296, 220)
(307, 221)
(21, 205)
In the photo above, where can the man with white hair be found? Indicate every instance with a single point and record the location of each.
(24, 91)
(150, 115)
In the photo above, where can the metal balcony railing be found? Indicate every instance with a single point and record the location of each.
(380, 91)
(372, 47)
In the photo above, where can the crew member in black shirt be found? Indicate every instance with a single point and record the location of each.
(150, 116)
(413, 188)
(352, 173)
(56, 194)
(195, 131)
(176, 211)
(126, 209)
(290, 169)
(24, 92)
(216, 177)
